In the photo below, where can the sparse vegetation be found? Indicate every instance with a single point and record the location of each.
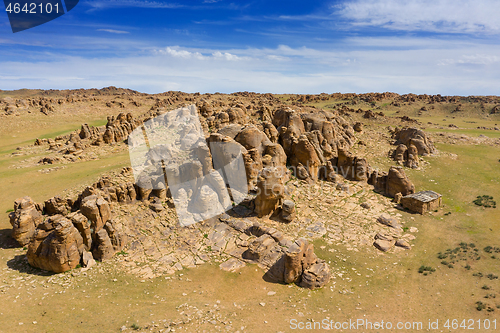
(485, 201)
(426, 270)
(480, 306)
(490, 249)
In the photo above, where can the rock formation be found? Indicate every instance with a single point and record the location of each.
(57, 245)
(398, 182)
(57, 241)
(270, 191)
(24, 220)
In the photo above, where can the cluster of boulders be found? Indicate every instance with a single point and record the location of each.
(411, 142)
(314, 145)
(116, 130)
(308, 144)
(385, 241)
(61, 234)
(284, 261)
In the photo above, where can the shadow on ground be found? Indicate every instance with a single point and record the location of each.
(6, 241)
(20, 264)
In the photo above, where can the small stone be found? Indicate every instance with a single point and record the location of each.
(403, 243)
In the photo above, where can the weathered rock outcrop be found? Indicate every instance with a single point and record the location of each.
(96, 209)
(57, 245)
(288, 211)
(56, 242)
(118, 129)
(398, 182)
(415, 136)
(24, 220)
(296, 263)
(270, 191)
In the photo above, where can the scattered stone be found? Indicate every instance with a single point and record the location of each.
(403, 243)
(389, 221)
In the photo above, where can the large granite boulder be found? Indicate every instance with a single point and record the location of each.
(398, 182)
(57, 245)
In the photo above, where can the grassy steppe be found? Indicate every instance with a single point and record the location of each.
(366, 284)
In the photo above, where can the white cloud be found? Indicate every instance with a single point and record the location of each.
(113, 31)
(102, 4)
(476, 59)
(226, 56)
(449, 16)
(445, 68)
(176, 52)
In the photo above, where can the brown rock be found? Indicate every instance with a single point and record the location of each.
(400, 155)
(398, 182)
(389, 221)
(117, 236)
(412, 157)
(82, 224)
(251, 137)
(384, 245)
(397, 198)
(103, 248)
(87, 259)
(270, 191)
(259, 248)
(304, 153)
(403, 243)
(58, 249)
(97, 210)
(24, 220)
(358, 127)
(417, 137)
(293, 261)
(288, 211)
(316, 276)
(309, 257)
(57, 205)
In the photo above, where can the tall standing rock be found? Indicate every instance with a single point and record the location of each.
(82, 224)
(97, 210)
(398, 182)
(293, 261)
(270, 191)
(304, 153)
(24, 220)
(103, 247)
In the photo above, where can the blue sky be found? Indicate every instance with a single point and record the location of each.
(420, 46)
